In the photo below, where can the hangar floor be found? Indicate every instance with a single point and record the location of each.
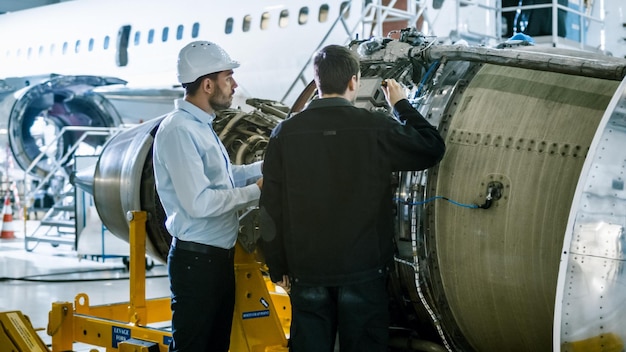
(30, 281)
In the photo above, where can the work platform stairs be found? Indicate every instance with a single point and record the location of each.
(372, 21)
(59, 224)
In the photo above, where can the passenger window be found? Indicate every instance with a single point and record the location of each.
(179, 32)
(265, 20)
(166, 31)
(246, 23)
(105, 44)
(323, 15)
(29, 52)
(283, 21)
(343, 7)
(64, 51)
(195, 30)
(77, 47)
(137, 38)
(52, 48)
(303, 16)
(150, 36)
(229, 26)
(91, 44)
(40, 50)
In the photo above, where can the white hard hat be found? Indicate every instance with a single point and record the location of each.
(200, 58)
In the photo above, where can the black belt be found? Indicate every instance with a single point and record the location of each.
(202, 248)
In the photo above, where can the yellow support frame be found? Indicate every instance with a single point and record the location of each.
(17, 333)
(260, 324)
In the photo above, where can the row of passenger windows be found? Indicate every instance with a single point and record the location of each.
(164, 35)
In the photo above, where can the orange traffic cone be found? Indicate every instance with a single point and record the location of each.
(7, 219)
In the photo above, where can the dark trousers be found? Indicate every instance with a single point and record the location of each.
(358, 313)
(203, 300)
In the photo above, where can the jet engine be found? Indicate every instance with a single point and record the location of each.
(514, 241)
(124, 180)
(39, 112)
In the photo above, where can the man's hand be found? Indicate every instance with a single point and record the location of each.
(284, 283)
(259, 183)
(394, 92)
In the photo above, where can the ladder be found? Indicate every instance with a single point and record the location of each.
(373, 20)
(58, 226)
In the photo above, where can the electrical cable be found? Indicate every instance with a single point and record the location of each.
(471, 206)
(33, 278)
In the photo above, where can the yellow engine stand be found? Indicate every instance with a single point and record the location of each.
(260, 323)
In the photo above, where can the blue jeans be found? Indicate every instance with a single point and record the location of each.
(203, 300)
(359, 313)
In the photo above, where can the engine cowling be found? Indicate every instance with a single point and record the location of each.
(39, 112)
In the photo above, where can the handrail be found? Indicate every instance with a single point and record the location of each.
(583, 19)
(88, 132)
(383, 12)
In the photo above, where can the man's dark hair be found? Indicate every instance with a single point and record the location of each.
(192, 88)
(334, 66)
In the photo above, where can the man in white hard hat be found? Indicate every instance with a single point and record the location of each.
(201, 193)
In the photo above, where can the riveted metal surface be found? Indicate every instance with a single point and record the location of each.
(590, 297)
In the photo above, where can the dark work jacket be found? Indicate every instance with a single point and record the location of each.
(327, 202)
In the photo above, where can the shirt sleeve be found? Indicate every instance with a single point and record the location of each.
(416, 137)
(198, 195)
(246, 174)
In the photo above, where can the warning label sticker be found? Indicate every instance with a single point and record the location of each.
(24, 333)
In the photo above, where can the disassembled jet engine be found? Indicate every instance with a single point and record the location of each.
(514, 241)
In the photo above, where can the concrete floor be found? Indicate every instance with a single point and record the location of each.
(30, 281)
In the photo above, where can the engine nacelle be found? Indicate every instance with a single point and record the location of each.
(39, 112)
